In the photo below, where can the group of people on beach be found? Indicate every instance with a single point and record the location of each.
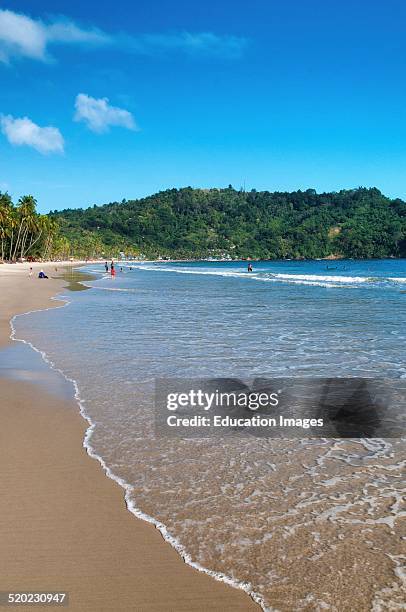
(41, 273)
(112, 269)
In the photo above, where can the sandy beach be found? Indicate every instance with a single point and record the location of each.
(63, 524)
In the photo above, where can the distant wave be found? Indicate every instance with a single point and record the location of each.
(190, 271)
(328, 281)
(315, 277)
(111, 288)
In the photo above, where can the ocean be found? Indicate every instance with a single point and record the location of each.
(305, 524)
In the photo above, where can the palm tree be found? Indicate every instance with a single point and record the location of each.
(31, 222)
(6, 212)
(26, 214)
(52, 232)
(22, 229)
(3, 229)
(12, 226)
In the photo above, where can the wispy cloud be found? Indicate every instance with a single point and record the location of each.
(192, 43)
(99, 115)
(21, 36)
(22, 131)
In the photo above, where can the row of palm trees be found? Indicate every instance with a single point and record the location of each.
(23, 232)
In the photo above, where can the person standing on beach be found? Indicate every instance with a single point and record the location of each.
(30, 272)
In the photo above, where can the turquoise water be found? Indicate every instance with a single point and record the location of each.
(210, 318)
(260, 512)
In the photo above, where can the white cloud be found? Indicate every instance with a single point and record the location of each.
(22, 36)
(192, 43)
(99, 115)
(66, 31)
(23, 131)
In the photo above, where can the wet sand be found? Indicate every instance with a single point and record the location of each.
(63, 524)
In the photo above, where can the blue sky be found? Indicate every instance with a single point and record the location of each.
(276, 95)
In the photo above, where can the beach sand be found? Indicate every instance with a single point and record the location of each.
(63, 523)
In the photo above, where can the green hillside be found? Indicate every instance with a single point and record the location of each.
(359, 223)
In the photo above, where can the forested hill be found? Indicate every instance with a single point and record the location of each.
(359, 223)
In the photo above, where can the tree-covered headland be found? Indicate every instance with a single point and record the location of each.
(194, 223)
(359, 223)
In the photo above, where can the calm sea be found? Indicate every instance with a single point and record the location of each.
(303, 524)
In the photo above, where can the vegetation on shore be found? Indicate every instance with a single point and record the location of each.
(26, 234)
(359, 223)
(194, 223)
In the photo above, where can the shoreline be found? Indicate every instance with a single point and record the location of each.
(181, 586)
